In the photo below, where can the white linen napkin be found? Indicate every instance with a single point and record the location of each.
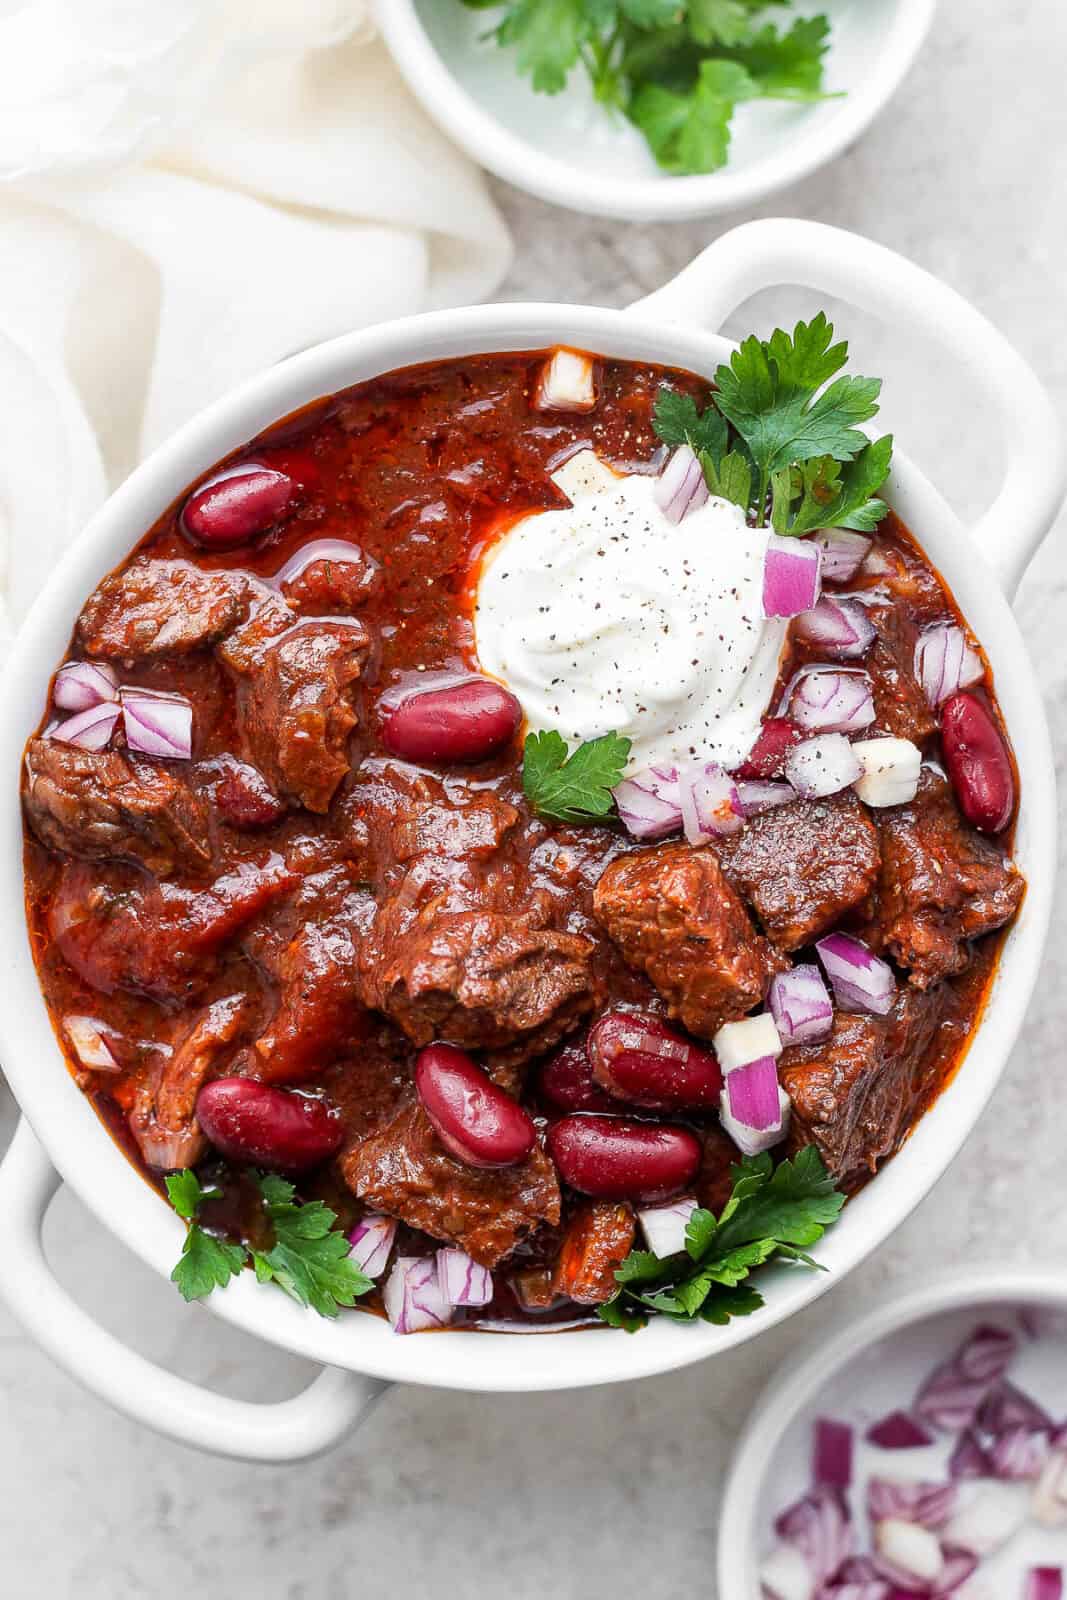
(190, 190)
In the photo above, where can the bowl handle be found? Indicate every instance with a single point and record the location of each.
(287, 1430)
(762, 255)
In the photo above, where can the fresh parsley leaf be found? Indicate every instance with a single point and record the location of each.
(572, 788)
(185, 1193)
(787, 65)
(206, 1263)
(651, 13)
(677, 420)
(824, 493)
(773, 1212)
(726, 22)
(690, 132)
(308, 1259)
(619, 1313)
(548, 36)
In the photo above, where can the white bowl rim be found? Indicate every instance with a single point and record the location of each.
(106, 1182)
(667, 198)
(786, 1396)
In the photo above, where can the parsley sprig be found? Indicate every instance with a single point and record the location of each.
(677, 68)
(774, 1212)
(309, 1259)
(572, 787)
(780, 439)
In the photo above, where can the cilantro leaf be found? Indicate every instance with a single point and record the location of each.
(726, 22)
(690, 132)
(548, 36)
(185, 1193)
(619, 1313)
(787, 65)
(308, 1259)
(650, 13)
(572, 788)
(206, 1263)
(677, 421)
(824, 493)
(794, 1204)
(722, 1305)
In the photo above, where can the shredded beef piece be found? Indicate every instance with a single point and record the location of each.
(598, 1238)
(404, 1171)
(156, 608)
(100, 803)
(296, 708)
(163, 1120)
(334, 583)
(899, 701)
(941, 884)
(673, 915)
(854, 1095)
(804, 865)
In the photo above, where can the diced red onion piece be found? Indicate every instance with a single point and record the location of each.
(90, 1042)
(842, 628)
(945, 662)
(832, 1454)
(785, 1575)
(959, 1566)
(681, 487)
(82, 684)
(753, 1093)
(987, 1354)
(989, 1514)
(898, 1431)
(737, 1044)
(413, 1297)
(90, 729)
(749, 1140)
(1044, 1583)
(949, 1401)
(802, 1009)
(757, 795)
(664, 1226)
(1050, 1495)
(339, 550)
(1019, 1455)
(1006, 1407)
(843, 553)
(859, 1580)
(643, 811)
(709, 803)
(910, 1500)
(820, 1528)
(372, 1240)
(861, 981)
(831, 700)
(566, 383)
(968, 1459)
(157, 724)
(891, 769)
(463, 1282)
(908, 1553)
(822, 766)
(790, 576)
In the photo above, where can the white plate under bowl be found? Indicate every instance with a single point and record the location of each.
(873, 1367)
(567, 149)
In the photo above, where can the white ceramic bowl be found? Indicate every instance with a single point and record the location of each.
(870, 1364)
(566, 149)
(666, 328)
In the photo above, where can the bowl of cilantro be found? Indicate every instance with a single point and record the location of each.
(653, 109)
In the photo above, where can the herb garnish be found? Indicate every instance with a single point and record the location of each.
(576, 787)
(676, 68)
(778, 438)
(309, 1258)
(773, 1212)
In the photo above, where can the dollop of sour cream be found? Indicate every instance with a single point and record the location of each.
(607, 617)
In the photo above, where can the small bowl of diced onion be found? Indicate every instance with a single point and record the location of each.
(920, 1454)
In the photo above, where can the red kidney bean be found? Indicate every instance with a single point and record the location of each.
(463, 721)
(251, 1121)
(637, 1058)
(611, 1158)
(566, 1081)
(236, 504)
(244, 799)
(776, 738)
(474, 1119)
(978, 762)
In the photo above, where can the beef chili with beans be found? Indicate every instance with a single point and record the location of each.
(510, 820)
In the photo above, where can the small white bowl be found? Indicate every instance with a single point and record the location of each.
(567, 149)
(868, 1370)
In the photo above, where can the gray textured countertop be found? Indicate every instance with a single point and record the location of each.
(561, 1495)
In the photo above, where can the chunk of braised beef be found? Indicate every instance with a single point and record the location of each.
(856, 1094)
(98, 804)
(243, 797)
(163, 1118)
(714, 1183)
(482, 979)
(394, 812)
(597, 1239)
(121, 929)
(334, 583)
(405, 1171)
(941, 885)
(901, 707)
(155, 608)
(804, 866)
(296, 708)
(673, 915)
